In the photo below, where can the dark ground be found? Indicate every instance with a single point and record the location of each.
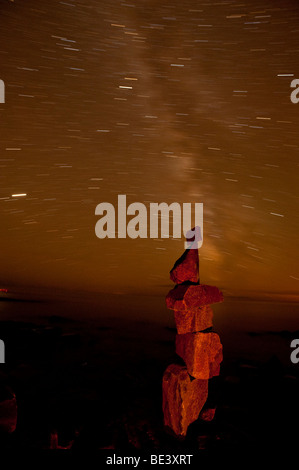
(97, 384)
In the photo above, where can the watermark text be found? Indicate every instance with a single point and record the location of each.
(145, 222)
(2, 91)
(2, 352)
(295, 353)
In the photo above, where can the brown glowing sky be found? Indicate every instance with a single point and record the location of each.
(208, 119)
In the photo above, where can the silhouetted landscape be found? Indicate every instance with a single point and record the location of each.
(95, 382)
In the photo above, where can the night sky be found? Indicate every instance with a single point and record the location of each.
(175, 101)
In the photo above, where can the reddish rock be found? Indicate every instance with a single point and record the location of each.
(186, 297)
(201, 352)
(8, 410)
(183, 398)
(186, 268)
(207, 414)
(190, 321)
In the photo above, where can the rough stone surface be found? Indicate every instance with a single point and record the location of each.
(201, 352)
(186, 297)
(207, 414)
(186, 268)
(191, 321)
(183, 398)
(8, 411)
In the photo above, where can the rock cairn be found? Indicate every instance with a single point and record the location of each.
(185, 387)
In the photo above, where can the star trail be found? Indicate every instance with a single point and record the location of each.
(162, 101)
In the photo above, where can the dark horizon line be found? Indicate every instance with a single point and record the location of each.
(15, 292)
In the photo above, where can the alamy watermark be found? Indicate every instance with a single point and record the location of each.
(2, 91)
(145, 221)
(295, 353)
(2, 352)
(295, 94)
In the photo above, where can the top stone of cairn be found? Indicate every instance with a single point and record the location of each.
(186, 268)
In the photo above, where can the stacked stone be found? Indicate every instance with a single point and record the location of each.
(185, 387)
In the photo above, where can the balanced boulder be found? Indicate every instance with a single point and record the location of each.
(186, 297)
(186, 268)
(201, 352)
(183, 398)
(190, 321)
